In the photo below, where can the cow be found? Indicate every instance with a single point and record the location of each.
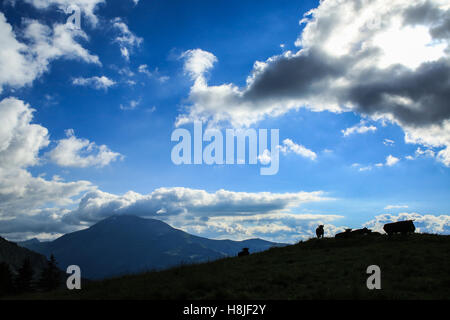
(343, 235)
(362, 231)
(403, 227)
(353, 233)
(319, 231)
(244, 252)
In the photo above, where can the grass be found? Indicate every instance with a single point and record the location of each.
(412, 267)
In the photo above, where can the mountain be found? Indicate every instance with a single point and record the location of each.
(129, 244)
(14, 255)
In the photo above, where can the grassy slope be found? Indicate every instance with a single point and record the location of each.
(412, 267)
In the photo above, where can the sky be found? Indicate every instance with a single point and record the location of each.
(93, 91)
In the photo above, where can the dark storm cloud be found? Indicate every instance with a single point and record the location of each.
(296, 77)
(429, 14)
(427, 88)
(371, 91)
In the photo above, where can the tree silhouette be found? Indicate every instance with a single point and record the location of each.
(6, 279)
(50, 276)
(25, 276)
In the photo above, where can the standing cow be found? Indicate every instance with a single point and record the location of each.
(319, 231)
(403, 227)
(244, 252)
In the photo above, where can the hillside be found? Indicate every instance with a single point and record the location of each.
(128, 244)
(14, 255)
(412, 267)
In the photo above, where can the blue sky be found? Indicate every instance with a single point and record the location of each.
(122, 123)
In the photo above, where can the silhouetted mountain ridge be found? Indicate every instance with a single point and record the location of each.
(129, 244)
(14, 256)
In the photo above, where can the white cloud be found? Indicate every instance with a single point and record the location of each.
(197, 62)
(366, 168)
(189, 203)
(131, 106)
(81, 153)
(126, 39)
(388, 142)
(427, 153)
(265, 157)
(96, 82)
(20, 141)
(359, 128)
(24, 197)
(143, 68)
(21, 64)
(424, 223)
(434, 136)
(391, 207)
(391, 160)
(290, 146)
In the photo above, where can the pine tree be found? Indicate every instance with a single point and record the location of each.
(25, 276)
(6, 279)
(50, 276)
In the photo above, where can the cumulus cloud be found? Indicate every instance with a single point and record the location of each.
(424, 222)
(192, 203)
(290, 146)
(359, 128)
(288, 228)
(22, 62)
(126, 39)
(197, 62)
(95, 82)
(386, 60)
(24, 197)
(391, 160)
(81, 153)
(265, 157)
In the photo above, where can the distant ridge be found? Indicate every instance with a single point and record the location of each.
(125, 244)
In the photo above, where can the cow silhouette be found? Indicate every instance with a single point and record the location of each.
(244, 252)
(402, 227)
(343, 235)
(362, 231)
(319, 231)
(353, 233)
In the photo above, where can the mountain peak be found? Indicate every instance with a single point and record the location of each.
(123, 244)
